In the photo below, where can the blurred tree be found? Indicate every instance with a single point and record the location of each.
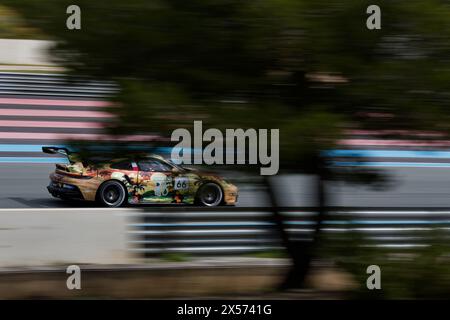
(308, 67)
(13, 26)
(418, 272)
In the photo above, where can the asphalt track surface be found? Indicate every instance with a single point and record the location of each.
(24, 186)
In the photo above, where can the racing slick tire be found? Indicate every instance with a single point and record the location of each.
(210, 195)
(112, 194)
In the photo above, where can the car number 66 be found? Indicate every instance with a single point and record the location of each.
(181, 183)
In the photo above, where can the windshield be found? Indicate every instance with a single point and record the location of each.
(179, 167)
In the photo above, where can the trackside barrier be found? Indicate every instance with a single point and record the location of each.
(47, 236)
(53, 236)
(244, 230)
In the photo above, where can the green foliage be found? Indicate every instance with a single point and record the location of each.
(413, 273)
(175, 257)
(308, 67)
(13, 26)
(270, 254)
(261, 63)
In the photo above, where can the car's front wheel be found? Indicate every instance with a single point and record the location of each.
(112, 194)
(210, 194)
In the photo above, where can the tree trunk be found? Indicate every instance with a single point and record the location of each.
(300, 252)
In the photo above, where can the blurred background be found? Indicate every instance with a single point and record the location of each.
(364, 146)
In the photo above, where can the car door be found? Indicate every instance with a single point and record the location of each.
(155, 176)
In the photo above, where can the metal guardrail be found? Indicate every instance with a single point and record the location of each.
(245, 230)
(38, 84)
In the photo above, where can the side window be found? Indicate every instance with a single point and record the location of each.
(154, 165)
(122, 165)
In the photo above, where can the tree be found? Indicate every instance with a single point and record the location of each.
(12, 26)
(308, 67)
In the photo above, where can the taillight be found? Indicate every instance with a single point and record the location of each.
(62, 167)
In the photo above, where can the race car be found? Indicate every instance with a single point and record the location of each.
(138, 179)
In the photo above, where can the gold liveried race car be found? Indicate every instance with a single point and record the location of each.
(136, 180)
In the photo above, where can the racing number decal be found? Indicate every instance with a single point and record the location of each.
(181, 183)
(160, 184)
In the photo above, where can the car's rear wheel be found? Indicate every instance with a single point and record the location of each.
(210, 194)
(112, 194)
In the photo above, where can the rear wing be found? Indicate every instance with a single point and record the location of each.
(56, 150)
(59, 150)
